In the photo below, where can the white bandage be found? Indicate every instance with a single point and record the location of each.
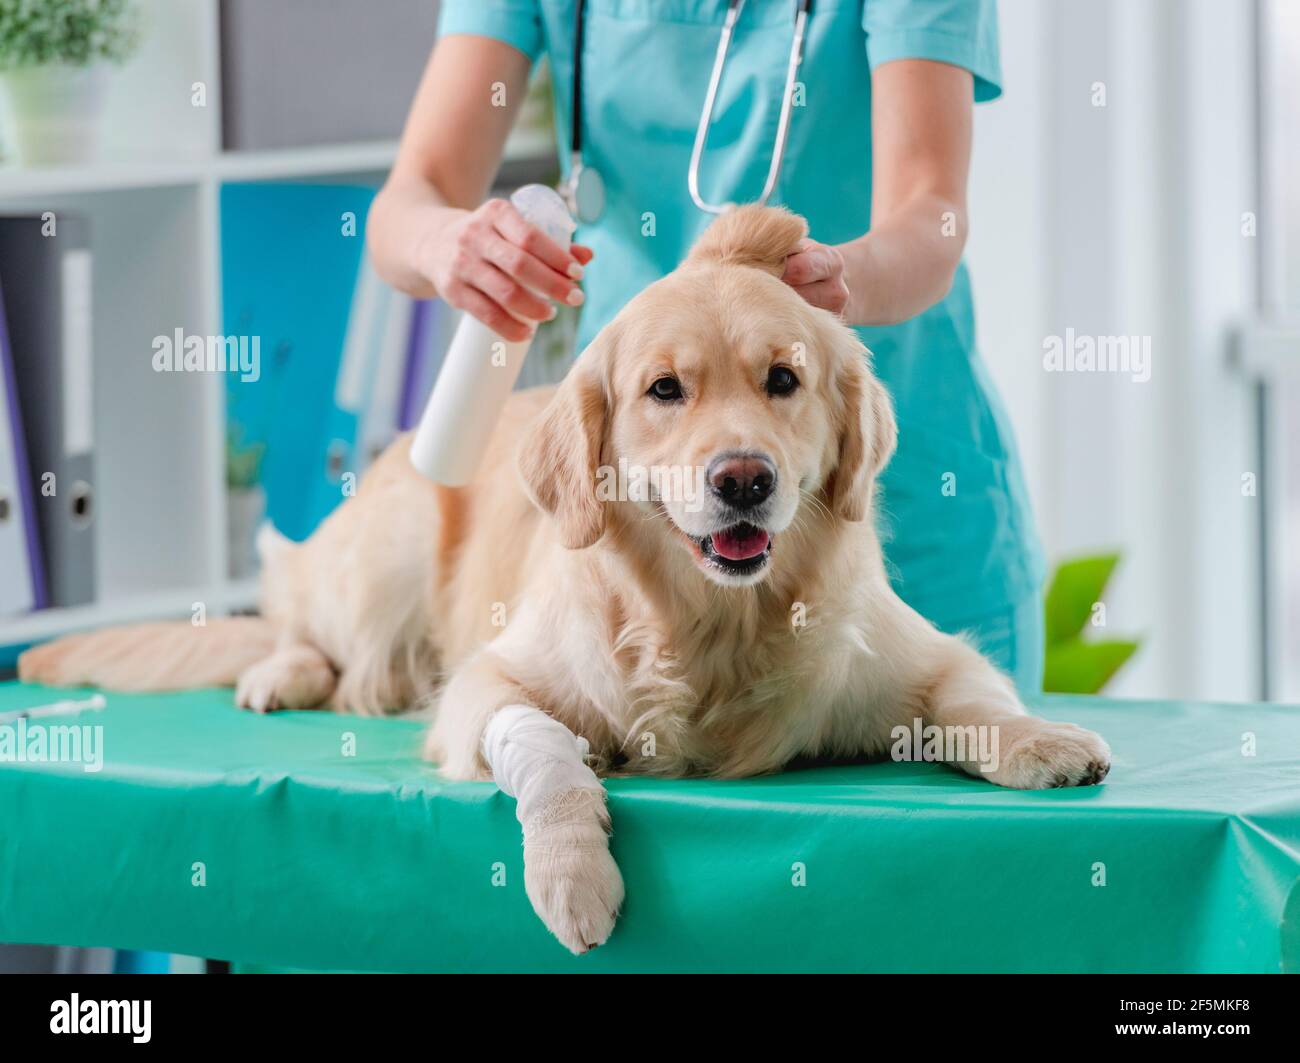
(534, 757)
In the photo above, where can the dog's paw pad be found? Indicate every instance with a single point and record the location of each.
(1046, 756)
(1097, 770)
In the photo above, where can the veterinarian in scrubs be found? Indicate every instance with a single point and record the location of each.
(876, 160)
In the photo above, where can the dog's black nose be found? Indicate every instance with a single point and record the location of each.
(741, 480)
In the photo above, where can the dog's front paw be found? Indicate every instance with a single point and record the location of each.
(1040, 755)
(569, 874)
(294, 678)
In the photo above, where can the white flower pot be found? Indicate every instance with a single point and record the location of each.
(55, 111)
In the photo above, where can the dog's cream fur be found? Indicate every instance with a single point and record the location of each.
(615, 623)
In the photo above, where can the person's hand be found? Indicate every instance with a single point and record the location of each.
(816, 271)
(497, 267)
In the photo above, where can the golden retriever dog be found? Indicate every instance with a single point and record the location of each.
(724, 631)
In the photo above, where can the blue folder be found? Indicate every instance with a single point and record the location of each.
(288, 273)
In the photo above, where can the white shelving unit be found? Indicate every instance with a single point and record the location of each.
(153, 206)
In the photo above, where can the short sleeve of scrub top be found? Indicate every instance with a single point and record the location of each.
(962, 33)
(515, 22)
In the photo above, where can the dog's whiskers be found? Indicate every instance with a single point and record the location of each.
(809, 497)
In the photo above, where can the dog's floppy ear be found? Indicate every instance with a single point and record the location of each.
(868, 435)
(560, 453)
(755, 236)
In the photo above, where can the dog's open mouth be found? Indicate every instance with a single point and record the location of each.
(740, 549)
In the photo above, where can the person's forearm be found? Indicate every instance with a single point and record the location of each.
(434, 230)
(405, 220)
(906, 263)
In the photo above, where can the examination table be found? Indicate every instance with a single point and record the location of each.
(318, 841)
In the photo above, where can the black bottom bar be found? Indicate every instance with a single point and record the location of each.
(1037, 1013)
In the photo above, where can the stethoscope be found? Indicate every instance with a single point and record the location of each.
(584, 188)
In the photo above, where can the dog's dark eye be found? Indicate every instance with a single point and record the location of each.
(666, 389)
(781, 381)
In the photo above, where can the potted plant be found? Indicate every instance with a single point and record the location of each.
(54, 64)
(245, 503)
(1075, 662)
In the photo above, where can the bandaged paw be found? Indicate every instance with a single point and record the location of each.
(534, 759)
(569, 874)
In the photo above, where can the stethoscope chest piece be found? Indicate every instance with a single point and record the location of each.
(584, 192)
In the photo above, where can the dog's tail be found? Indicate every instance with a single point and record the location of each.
(175, 655)
(172, 655)
(157, 656)
(756, 236)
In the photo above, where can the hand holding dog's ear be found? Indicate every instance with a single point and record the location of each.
(561, 452)
(868, 435)
(816, 272)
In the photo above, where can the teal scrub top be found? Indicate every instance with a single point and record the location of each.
(955, 516)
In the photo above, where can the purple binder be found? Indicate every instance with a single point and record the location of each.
(421, 364)
(12, 418)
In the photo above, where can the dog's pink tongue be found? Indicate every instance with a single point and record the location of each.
(740, 544)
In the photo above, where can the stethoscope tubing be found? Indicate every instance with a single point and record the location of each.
(783, 123)
(803, 11)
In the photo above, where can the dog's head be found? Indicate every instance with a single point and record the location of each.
(719, 401)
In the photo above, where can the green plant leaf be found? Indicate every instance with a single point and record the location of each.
(1078, 667)
(1076, 586)
(73, 32)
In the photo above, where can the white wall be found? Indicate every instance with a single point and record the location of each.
(1125, 220)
